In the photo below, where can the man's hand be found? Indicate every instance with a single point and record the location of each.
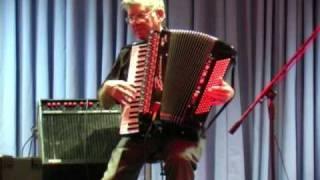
(121, 91)
(221, 93)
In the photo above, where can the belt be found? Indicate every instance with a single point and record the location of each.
(163, 128)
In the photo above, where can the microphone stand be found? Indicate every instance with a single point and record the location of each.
(270, 95)
(271, 111)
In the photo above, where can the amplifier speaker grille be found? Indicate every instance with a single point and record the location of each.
(76, 131)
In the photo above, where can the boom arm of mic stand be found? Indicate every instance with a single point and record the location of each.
(258, 99)
(285, 69)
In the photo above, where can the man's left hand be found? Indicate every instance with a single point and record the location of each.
(221, 93)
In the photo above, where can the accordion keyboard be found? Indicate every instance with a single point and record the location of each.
(130, 114)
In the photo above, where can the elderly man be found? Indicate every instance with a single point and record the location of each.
(179, 153)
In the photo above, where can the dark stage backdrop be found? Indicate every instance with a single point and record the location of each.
(65, 48)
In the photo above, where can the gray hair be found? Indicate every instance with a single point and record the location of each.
(152, 4)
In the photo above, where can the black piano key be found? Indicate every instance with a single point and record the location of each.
(134, 101)
(133, 116)
(139, 76)
(140, 66)
(133, 128)
(140, 72)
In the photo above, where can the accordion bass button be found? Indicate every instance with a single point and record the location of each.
(201, 81)
(204, 74)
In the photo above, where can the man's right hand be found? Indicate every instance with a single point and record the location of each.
(121, 91)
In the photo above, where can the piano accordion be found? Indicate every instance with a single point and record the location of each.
(183, 65)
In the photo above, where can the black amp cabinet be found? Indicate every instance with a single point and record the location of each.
(76, 136)
(75, 131)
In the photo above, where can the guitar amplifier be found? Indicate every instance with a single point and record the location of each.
(76, 131)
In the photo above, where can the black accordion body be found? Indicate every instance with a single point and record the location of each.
(182, 65)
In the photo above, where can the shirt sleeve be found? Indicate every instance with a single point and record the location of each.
(120, 67)
(118, 72)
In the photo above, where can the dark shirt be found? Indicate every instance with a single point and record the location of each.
(119, 70)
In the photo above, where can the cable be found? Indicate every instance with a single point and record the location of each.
(30, 147)
(25, 144)
(281, 157)
(30, 139)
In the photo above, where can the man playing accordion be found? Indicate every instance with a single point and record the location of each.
(178, 148)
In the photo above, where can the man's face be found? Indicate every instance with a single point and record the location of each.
(143, 20)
